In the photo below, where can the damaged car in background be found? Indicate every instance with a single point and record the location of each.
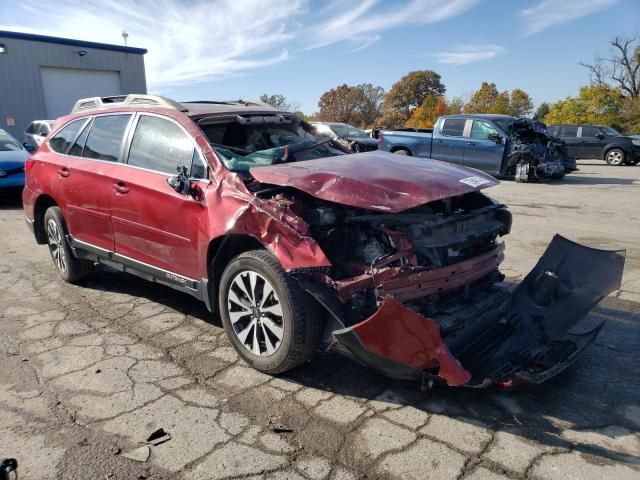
(390, 260)
(348, 138)
(500, 145)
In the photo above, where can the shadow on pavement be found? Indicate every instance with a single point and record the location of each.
(596, 397)
(11, 199)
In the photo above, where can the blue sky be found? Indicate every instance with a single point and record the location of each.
(222, 49)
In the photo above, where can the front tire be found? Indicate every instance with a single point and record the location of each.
(615, 157)
(70, 268)
(266, 315)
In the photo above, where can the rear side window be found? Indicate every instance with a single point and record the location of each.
(569, 131)
(43, 129)
(160, 145)
(105, 138)
(453, 127)
(590, 131)
(61, 140)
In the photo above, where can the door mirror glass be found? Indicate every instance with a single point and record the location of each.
(600, 136)
(180, 182)
(495, 137)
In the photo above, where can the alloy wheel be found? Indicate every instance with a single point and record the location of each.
(614, 157)
(56, 246)
(255, 313)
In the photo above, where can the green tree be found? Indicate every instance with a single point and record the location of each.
(412, 89)
(595, 104)
(630, 116)
(454, 106)
(487, 99)
(541, 112)
(280, 101)
(426, 114)
(520, 103)
(359, 105)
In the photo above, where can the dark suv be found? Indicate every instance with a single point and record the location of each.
(597, 141)
(390, 260)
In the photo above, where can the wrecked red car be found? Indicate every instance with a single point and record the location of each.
(393, 261)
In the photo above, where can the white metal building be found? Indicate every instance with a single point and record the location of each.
(41, 77)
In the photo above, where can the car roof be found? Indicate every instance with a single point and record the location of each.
(204, 108)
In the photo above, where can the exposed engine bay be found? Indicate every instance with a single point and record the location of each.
(532, 153)
(418, 294)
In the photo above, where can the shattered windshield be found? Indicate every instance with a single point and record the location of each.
(8, 143)
(610, 132)
(264, 140)
(347, 131)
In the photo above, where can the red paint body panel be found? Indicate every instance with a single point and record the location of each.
(397, 333)
(376, 180)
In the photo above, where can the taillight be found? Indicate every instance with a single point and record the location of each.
(379, 140)
(28, 164)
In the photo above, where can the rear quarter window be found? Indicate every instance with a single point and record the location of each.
(60, 141)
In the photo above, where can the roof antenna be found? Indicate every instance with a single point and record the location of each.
(125, 35)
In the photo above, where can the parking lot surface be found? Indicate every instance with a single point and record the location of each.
(88, 372)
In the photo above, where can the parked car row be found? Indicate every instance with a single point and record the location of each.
(392, 261)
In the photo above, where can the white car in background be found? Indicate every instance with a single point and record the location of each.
(35, 133)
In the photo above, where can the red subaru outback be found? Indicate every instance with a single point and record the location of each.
(390, 260)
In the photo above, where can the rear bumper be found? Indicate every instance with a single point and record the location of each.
(522, 338)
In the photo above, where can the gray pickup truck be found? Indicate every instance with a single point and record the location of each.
(501, 145)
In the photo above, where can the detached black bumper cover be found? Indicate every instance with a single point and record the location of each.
(524, 338)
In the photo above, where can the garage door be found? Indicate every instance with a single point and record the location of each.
(63, 86)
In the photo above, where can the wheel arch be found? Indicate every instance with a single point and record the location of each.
(395, 148)
(608, 148)
(221, 251)
(42, 203)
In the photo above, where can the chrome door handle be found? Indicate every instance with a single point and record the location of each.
(64, 172)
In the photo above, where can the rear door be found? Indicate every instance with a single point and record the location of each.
(152, 223)
(569, 133)
(480, 152)
(449, 142)
(85, 175)
(590, 145)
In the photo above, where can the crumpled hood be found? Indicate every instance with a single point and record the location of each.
(376, 180)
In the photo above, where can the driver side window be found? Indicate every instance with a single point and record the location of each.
(481, 130)
(162, 146)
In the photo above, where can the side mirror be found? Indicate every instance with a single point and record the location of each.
(180, 182)
(600, 136)
(495, 137)
(29, 148)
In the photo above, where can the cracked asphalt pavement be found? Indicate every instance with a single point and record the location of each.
(88, 372)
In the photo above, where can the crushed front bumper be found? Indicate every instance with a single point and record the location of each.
(522, 338)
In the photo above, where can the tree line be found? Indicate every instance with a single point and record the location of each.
(419, 98)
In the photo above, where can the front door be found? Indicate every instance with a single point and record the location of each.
(590, 143)
(482, 153)
(152, 223)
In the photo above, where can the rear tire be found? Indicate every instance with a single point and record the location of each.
(268, 318)
(70, 268)
(615, 157)
(404, 152)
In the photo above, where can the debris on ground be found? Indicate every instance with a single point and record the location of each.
(276, 426)
(140, 454)
(158, 437)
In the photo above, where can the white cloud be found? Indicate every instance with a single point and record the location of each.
(362, 20)
(549, 13)
(464, 54)
(202, 41)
